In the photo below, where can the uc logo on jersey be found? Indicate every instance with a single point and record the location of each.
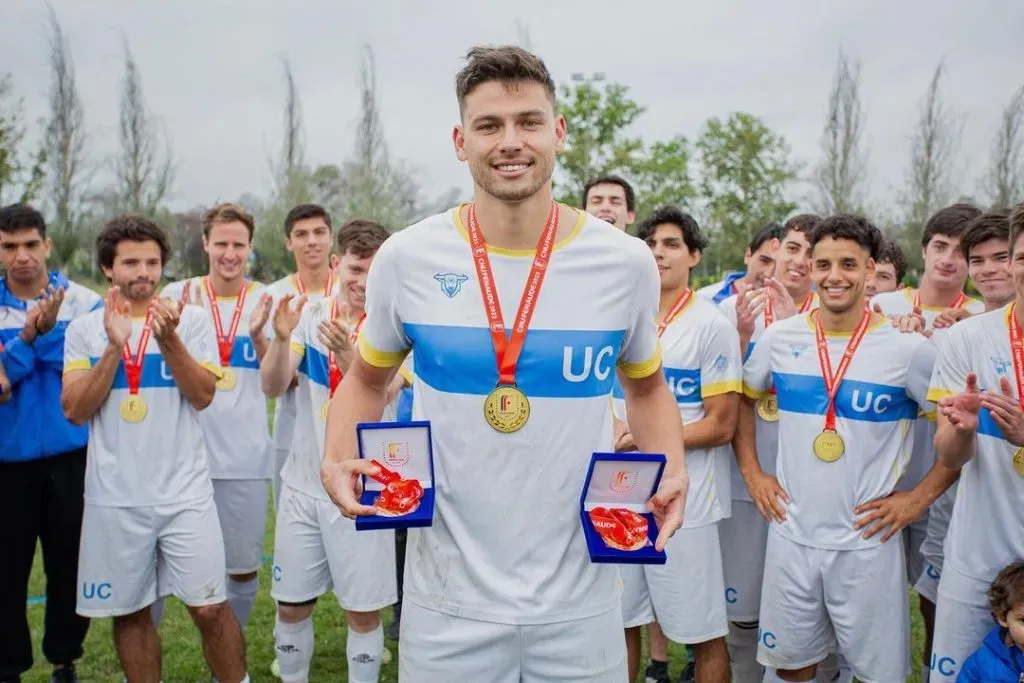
(451, 283)
(624, 481)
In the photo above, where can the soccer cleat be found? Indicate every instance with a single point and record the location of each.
(65, 674)
(657, 673)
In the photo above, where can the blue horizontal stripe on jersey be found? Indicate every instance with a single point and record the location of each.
(684, 384)
(988, 426)
(243, 354)
(856, 400)
(155, 373)
(314, 366)
(553, 364)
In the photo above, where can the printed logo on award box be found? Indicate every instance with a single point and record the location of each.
(396, 453)
(624, 481)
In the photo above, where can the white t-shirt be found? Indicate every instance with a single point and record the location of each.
(986, 531)
(161, 459)
(284, 406)
(901, 302)
(235, 424)
(302, 469)
(876, 405)
(506, 543)
(701, 359)
(766, 434)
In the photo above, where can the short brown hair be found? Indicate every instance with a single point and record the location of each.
(129, 227)
(1016, 224)
(361, 237)
(227, 213)
(508, 64)
(802, 222)
(991, 225)
(1007, 591)
(301, 213)
(949, 222)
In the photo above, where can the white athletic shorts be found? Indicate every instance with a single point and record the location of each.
(686, 594)
(131, 556)
(440, 647)
(744, 540)
(962, 620)
(927, 585)
(242, 509)
(913, 560)
(816, 601)
(280, 457)
(317, 548)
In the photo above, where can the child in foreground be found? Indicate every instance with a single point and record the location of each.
(1001, 656)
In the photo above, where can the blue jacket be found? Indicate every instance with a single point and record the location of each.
(994, 661)
(727, 284)
(32, 423)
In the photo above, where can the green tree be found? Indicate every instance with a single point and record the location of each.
(662, 176)
(744, 171)
(22, 172)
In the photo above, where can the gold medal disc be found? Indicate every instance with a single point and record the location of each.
(1018, 461)
(134, 409)
(324, 408)
(829, 446)
(228, 380)
(768, 408)
(507, 409)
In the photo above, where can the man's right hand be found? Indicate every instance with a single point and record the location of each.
(117, 318)
(768, 496)
(343, 483)
(286, 318)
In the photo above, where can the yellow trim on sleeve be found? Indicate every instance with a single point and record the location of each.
(934, 394)
(76, 365)
(643, 368)
(581, 218)
(380, 359)
(214, 368)
(406, 375)
(751, 392)
(733, 386)
(931, 415)
(298, 348)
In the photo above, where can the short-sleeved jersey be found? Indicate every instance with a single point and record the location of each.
(985, 531)
(901, 302)
(876, 406)
(700, 359)
(284, 406)
(766, 434)
(161, 459)
(235, 424)
(506, 543)
(302, 469)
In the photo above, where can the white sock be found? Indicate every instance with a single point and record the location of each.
(245, 680)
(742, 643)
(845, 672)
(157, 611)
(294, 646)
(925, 673)
(771, 676)
(364, 651)
(828, 670)
(242, 598)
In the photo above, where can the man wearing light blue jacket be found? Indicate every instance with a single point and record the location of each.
(42, 455)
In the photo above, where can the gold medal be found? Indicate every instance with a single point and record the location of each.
(768, 408)
(829, 446)
(134, 409)
(1018, 461)
(228, 380)
(507, 409)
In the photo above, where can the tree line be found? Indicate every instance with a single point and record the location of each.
(736, 175)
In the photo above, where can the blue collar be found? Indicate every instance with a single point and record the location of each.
(7, 298)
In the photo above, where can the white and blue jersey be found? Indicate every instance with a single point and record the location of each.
(701, 359)
(506, 543)
(32, 423)
(235, 424)
(876, 406)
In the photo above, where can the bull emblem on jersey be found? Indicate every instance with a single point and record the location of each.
(451, 283)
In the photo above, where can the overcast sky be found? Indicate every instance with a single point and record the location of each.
(211, 73)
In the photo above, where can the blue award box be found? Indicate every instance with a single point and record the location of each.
(404, 451)
(613, 508)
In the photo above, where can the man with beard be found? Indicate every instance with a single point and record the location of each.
(501, 586)
(138, 373)
(760, 263)
(42, 455)
(611, 199)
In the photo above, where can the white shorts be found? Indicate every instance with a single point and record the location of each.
(131, 556)
(317, 548)
(927, 585)
(440, 647)
(744, 540)
(816, 601)
(913, 560)
(933, 547)
(962, 620)
(280, 457)
(686, 594)
(242, 509)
